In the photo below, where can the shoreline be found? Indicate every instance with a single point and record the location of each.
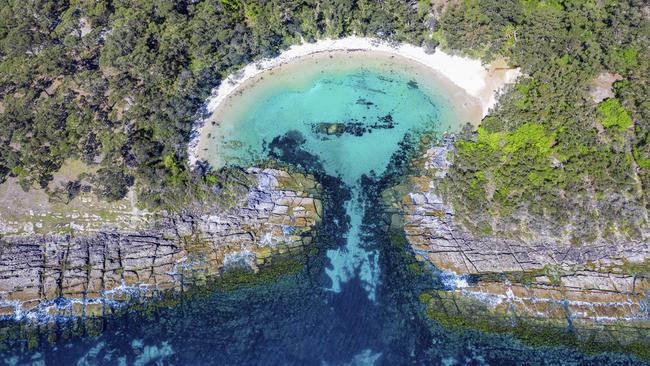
(480, 82)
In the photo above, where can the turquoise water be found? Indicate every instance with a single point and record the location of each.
(383, 102)
(352, 124)
(351, 114)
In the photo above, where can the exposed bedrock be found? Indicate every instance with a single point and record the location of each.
(602, 285)
(89, 272)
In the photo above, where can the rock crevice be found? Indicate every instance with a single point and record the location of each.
(91, 272)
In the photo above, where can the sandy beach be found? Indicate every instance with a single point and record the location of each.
(477, 85)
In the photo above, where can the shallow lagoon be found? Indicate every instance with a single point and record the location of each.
(350, 111)
(378, 96)
(356, 301)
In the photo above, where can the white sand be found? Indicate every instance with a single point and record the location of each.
(479, 81)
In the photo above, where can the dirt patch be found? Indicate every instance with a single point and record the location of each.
(71, 170)
(601, 87)
(33, 212)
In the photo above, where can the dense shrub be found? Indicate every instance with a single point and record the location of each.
(549, 158)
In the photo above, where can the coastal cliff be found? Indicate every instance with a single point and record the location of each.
(91, 269)
(594, 292)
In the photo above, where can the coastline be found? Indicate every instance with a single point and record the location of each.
(544, 290)
(480, 82)
(91, 271)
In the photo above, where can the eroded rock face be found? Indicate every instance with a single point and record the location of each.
(90, 272)
(600, 285)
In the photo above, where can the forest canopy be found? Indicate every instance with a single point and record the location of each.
(550, 157)
(118, 85)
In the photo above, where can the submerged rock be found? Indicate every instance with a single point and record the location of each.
(90, 272)
(354, 127)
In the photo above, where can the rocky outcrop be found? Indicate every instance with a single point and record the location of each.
(599, 285)
(88, 272)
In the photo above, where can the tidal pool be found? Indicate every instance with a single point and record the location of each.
(350, 119)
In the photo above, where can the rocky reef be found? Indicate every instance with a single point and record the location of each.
(594, 294)
(91, 270)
